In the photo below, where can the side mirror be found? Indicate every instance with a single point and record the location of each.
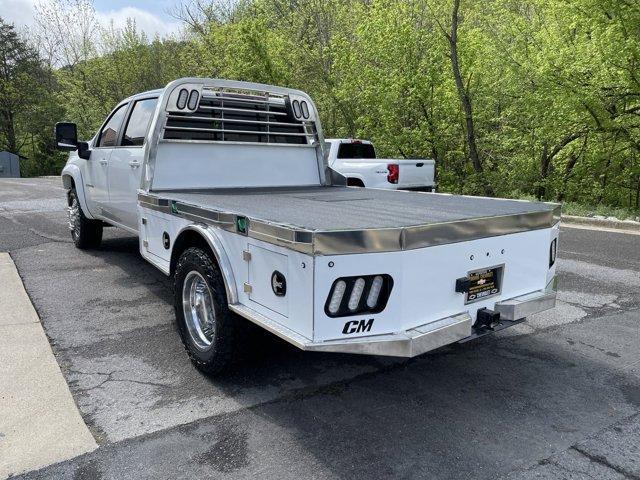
(66, 136)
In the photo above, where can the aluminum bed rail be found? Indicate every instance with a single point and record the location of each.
(344, 220)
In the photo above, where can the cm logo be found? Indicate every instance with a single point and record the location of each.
(357, 326)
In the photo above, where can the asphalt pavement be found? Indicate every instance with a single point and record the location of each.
(555, 397)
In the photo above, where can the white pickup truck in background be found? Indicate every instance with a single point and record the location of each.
(356, 160)
(227, 186)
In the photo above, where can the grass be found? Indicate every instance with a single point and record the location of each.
(585, 210)
(582, 210)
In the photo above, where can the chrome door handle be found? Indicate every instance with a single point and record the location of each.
(103, 162)
(134, 164)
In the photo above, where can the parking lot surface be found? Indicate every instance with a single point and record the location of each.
(555, 397)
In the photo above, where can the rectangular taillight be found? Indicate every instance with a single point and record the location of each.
(394, 173)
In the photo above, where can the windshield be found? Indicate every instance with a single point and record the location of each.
(356, 150)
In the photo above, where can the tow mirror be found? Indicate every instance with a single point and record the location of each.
(66, 136)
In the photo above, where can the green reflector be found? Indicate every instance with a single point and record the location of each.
(241, 223)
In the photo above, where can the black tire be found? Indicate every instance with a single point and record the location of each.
(85, 233)
(216, 357)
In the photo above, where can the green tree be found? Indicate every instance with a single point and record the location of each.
(510, 97)
(27, 110)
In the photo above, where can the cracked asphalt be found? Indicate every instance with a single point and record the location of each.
(555, 397)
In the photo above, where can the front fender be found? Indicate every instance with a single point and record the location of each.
(72, 177)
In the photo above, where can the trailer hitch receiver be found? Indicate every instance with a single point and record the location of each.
(487, 319)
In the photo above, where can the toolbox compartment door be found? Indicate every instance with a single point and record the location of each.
(155, 230)
(266, 271)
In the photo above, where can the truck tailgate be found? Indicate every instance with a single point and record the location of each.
(415, 172)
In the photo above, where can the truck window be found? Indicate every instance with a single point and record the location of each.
(356, 150)
(109, 133)
(138, 123)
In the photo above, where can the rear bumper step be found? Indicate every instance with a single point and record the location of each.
(416, 341)
(526, 305)
(407, 344)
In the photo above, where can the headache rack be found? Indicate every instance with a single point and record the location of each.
(234, 115)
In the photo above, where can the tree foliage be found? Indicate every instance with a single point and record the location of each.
(26, 110)
(511, 97)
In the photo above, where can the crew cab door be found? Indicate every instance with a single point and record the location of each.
(97, 167)
(125, 164)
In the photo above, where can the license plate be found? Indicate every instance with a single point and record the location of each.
(484, 283)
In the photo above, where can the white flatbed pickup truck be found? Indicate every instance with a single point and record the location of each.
(356, 160)
(227, 186)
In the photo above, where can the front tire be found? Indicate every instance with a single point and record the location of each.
(85, 233)
(206, 324)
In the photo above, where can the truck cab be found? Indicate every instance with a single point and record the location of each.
(107, 183)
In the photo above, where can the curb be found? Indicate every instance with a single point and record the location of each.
(39, 421)
(612, 223)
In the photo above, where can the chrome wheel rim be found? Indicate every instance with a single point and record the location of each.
(199, 314)
(74, 217)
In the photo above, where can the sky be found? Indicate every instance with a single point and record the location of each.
(151, 16)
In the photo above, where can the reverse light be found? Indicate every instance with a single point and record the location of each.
(394, 173)
(553, 249)
(358, 295)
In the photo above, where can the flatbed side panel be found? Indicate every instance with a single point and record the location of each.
(294, 310)
(425, 280)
